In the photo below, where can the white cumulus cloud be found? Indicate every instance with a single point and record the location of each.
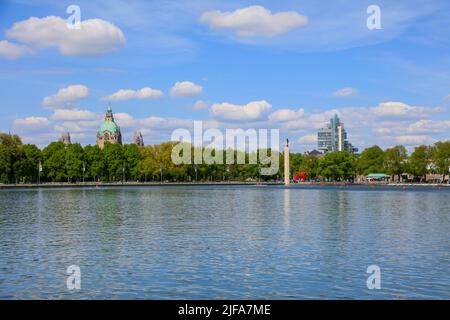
(128, 94)
(429, 126)
(124, 120)
(31, 123)
(186, 88)
(165, 123)
(254, 21)
(95, 36)
(11, 51)
(308, 139)
(286, 115)
(400, 109)
(65, 97)
(83, 127)
(251, 111)
(73, 115)
(409, 140)
(200, 105)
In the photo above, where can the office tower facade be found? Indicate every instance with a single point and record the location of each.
(333, 137)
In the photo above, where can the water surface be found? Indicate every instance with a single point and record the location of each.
(225, 242)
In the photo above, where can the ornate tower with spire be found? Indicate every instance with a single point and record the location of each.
(109, 131)
(138, 139)
(65, 138)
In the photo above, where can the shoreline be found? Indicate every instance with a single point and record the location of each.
(222, 183)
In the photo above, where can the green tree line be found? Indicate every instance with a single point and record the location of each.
(19, 163)
(395, 161)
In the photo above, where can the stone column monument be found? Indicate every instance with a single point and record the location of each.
(286, 164)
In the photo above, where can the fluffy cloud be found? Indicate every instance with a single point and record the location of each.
(345, 92)
(164, 124)
(73, 115)
(31, 123)
(400, 109)
(200, 105)
(81, 128)
(65, 97)
(12, 51)
(254, 21)
(128, 94)
(95, 36)
(251, 111)
(124, 120)
(297, 124)
(310, 121)
(308, 139)
(186, 88)
(286, 115)
(414, 140)
(429, 126)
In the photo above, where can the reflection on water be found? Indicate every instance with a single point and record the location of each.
(224, 242)
(286, 206)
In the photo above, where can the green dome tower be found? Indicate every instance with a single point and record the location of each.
(109, 131)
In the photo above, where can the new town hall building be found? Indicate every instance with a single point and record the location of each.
(109, 132)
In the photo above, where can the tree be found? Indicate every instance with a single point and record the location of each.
(148, 166)
(54, 162)
(132, 157)
(296, 160)
(94, 162)
(29, 165)
(440, 157)
(395, 160)
(371, 160)
(114, 161)
(337, 166)
(10, 154)
(163, 156)
(419, 161)
(74, 161)
(311, 166)
(19, 162)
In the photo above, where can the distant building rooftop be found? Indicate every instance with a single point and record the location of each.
(314, 153)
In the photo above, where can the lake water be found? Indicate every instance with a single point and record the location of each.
(225, 242)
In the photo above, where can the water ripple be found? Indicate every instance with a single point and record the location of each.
(224, 243)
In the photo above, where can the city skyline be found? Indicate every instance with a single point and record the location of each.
(388, 86)
(331, 138)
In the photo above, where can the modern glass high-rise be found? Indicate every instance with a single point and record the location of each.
(334, 137)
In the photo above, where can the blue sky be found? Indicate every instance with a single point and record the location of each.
(266, 64)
